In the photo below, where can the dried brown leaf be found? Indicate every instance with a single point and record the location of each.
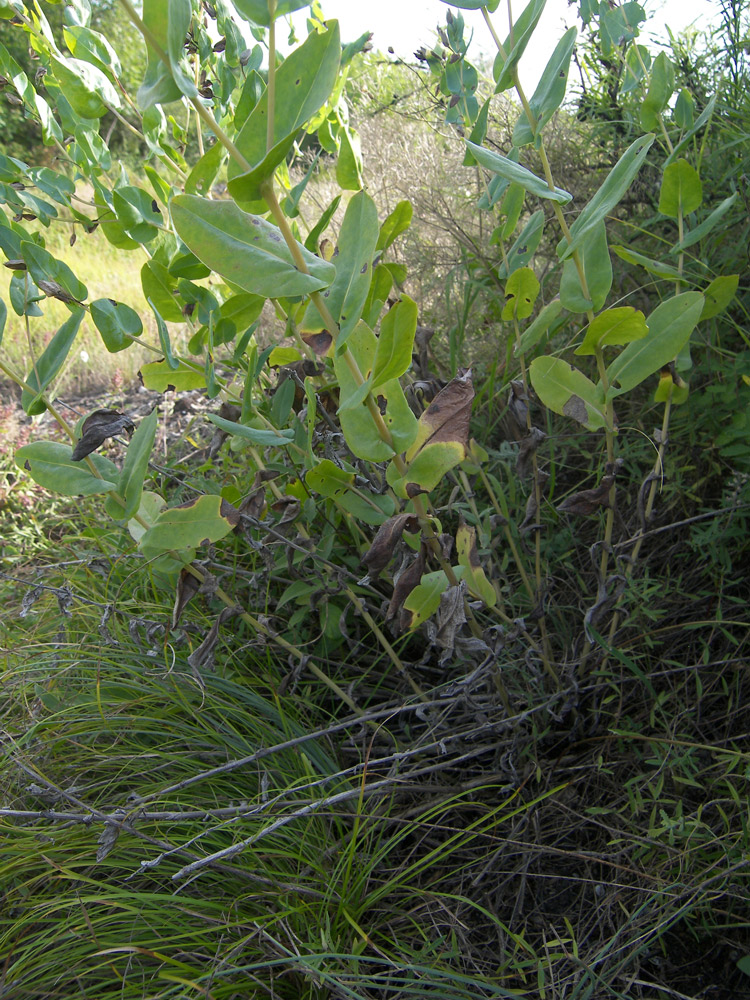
(387, 538)
(97, 427)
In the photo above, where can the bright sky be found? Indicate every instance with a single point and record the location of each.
(407, 24)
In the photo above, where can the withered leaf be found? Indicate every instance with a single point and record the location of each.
(319, 342)
(388, 536)
(405, 581)
(97, 427)
(110, 833)
(447, 417)
(203, 656)
(187, 587)
(450, 617)
(586, 502)
(56, 291)
(518, 403)
(529, 445)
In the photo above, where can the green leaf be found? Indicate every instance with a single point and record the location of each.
(113, 231)
(349, 162)
(329, 480)
(515, 173)
(258, 10)
(116, 322)
(159, 377)
(515, 44)
(699, 123)
(597, 268)
(44, 267)
(660, 89)
(681, 190)
(394, 225)
(521, 290)
(49, 364)
(311, 241)
(51, 465)
(207, 519)
(134, 467)
(168, 22)
(256, 435)
(160, 288)
(357, 422)
(424, 599)
(353, 262)
(652, 266)
(669, 329)
(525, 245)
(395, 342)
(567, 391)
(137, 212)
(707, 226)
(684, 109)
(618, 326)
(164, 341)
(473, 4)
(534, 333)
(511, 208)
(475, 577)
(719, 294)
(3, 318)
(304, 82)
(86, 88)
(549, 93)
(615, 185)
(91, 46)
(245, 249)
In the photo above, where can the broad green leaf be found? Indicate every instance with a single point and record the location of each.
(674, 389)
(24, 294)
(525, 245)
(705, 227)
(617, 326)
(159, 377)
(395, 342)
(93, 47)
(534, 333)
(116, 322)
(652, 266)
(346, 297)
(521, 290)
(304, 82)
(265, 437)
(615, 185)
(511, 208)
(424, 600)
(86, 88)
(567, 391)
(700, 121)
(479, 132)
(719, 294)
(380, 289)
(3, 318)
(207, 519)
(637, 63)
(681, 190)
(684, 109)
(597, 268)
(619, 24)
(394, 225)
(113, 231)
(168, 22)
(160, 288)
(549, 93)
(515, 45)
(258, 11)
(660, 89)
(245, 249)
(134, 467)
(669, 329)
(49, 364)
(357, 423)
(137, 212)
(150, 507)
(43, 267)
(515, 173)
(329, 480)
(50, 464)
